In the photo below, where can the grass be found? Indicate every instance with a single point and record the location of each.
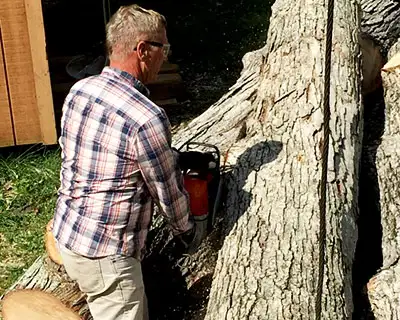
(28, 187)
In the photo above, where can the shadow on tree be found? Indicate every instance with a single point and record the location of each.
(166, 268)
(251, 160)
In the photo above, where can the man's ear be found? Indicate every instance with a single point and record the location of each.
(142, 50)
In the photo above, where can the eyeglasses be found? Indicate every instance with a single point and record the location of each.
(165, 46)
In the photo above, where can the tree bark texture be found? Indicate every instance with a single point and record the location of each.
(381, 20)
(268, 265)
(383, 288)
(269, 130)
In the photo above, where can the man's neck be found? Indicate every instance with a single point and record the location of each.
(133, 69)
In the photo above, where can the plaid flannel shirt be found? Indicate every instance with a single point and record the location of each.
(116, 159)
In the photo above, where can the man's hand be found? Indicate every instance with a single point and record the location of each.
(191, 239)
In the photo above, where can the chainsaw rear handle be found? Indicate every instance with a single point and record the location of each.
(201, 144)
(204, 161)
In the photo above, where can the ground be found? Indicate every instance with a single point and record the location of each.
(208, 40)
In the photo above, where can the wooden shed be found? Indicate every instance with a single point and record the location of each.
(26, 104)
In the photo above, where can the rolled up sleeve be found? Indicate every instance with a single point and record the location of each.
(157, 163)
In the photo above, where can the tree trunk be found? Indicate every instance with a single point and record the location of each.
(383, 289)
(268, 265)
(381, 20)
(269, 129)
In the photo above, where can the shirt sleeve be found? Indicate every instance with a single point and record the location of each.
(157, 163)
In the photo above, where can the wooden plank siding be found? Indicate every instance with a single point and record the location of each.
(26, 72)
(6, 129)
(44, 99)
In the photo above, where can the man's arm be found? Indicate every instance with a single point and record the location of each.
(163, 177)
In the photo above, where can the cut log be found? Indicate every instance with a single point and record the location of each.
(167, 86)
(168, 67)
(383, 288)
(46, 276)
(167, 103)
(167, 78)
(35, 305)
(50, 244)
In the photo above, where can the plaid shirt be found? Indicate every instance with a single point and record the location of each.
(116, 159)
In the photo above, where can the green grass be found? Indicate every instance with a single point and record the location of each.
(28, 188)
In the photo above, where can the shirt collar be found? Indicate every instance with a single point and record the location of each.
(129, 78)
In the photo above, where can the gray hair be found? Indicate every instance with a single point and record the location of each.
(128, 25)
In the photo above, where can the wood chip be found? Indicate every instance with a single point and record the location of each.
(392, 64)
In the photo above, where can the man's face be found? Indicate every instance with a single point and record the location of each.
(156, 55)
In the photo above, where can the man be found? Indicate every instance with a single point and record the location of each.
(116, 160)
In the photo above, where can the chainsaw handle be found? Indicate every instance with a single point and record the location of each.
(201, 144)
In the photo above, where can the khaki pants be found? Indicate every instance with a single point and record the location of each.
(114, 285)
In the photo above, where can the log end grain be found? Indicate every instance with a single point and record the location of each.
(50, 244)
(35, 305)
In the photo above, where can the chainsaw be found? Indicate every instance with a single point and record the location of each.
(203, 182)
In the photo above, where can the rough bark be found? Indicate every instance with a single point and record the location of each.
(381, 20)
(269, 129)
(267, 267)
(383, 288)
